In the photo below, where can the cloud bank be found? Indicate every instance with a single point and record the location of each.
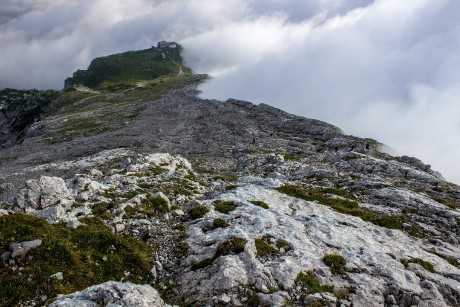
(384, 69)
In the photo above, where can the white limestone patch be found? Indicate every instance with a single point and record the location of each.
(112, 293)
(312, 230)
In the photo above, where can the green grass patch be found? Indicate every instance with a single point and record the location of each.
(280, 243)
(291, 157)
(138, 175)
(259, 203)
(335, 262)
(342, 294)
(230, 178)
(391, 255)
(77, 253)
(450, 260)
(425, 264)
(103, 210)
(121, 71)
(311, 284)
(182, 191)
(416, 231)
(202, 264)
(224, 206)
(232, 246)
(149, 206)
(157, 170)
(350, 158)
(344, 206)
(219, 223)
(450, 203)
(130, 194)
(441, 188)
(198, 211)
(338, 192)
(263, 248)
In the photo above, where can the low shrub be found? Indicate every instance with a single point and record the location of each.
(198, 211)
(156, 203)
(202, 264)
(280, 243)
(263, 248)
(219, 223)
(224, 206)
(450, 203)
(226, 177)
(338, 192)
(342, 294)
(259, 203)
(391, 255)
(311, 284)
(233, 246)
(425, 264)
(335, 262)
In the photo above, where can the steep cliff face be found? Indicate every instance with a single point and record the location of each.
(222, 203)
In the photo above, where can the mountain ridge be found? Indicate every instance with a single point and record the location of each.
(243, 204)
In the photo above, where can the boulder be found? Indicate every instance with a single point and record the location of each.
(21, 249)
(43, 193)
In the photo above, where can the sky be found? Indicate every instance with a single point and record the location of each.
(384, 69)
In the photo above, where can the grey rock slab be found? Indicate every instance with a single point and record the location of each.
(43, 193)
(21, 249)
(312, 230)
(112, 294)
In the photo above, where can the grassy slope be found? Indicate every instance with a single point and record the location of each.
(107, 72)
(123, 84)
(87, 255)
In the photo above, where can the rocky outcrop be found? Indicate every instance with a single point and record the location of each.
(20, 249)
(43, 193)
(282, 238)
(310, 231)
(112, 293)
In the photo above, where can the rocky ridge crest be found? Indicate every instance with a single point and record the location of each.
(230, 203)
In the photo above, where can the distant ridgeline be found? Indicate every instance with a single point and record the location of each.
(129, 67)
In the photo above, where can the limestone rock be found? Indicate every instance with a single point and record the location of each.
(112, 293)
(275, 299)
(224, 299)
(43, 193)
(21, 249)
(57, 276)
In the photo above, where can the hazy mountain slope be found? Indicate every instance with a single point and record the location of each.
(222, 203)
